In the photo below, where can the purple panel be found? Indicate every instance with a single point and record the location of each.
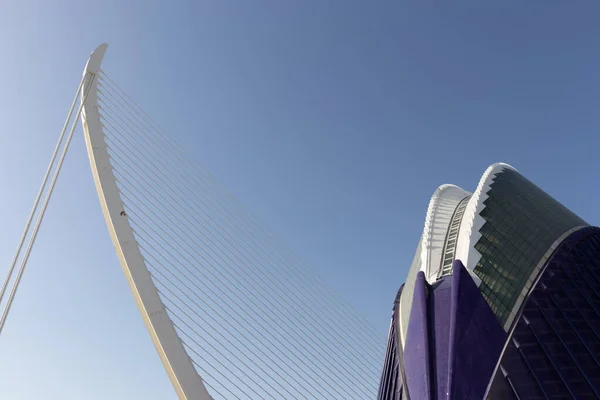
(416, 349)
(440, 336)
(453, 340)
(554, 351)
(476, 338)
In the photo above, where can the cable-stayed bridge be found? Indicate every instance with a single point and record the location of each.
(233, 313)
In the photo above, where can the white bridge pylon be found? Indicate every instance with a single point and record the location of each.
(231, 310)
(180, 369)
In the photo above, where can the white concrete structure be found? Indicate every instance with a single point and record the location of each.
(179, 367)
(439, 217)
(523, 229)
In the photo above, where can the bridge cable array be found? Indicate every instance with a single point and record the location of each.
(256, 322)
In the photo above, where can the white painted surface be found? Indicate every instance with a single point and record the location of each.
(406, 297)
(179, 367)
(437, 222)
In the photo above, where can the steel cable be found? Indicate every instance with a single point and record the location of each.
(141, 145)
(262, 289)
(168, 142)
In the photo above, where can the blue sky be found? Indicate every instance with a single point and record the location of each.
(333, 121)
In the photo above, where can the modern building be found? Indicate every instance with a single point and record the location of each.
(502, 300)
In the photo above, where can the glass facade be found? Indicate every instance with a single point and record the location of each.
(554, 350)
(521, 224)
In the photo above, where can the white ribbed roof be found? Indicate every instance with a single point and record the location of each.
(437, 221)
(472, 221)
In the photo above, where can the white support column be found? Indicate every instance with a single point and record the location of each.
(179, 366)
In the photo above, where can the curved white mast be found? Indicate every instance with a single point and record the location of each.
(179, 367)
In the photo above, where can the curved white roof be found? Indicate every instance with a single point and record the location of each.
(472, 221)
(437, 221)
(428, 258)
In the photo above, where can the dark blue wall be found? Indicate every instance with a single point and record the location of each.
(554, 350)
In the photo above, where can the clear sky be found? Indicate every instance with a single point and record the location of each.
(333, 121)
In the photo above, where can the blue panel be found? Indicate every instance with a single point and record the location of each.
(476, 338)
(416, 349)
(554, 350)
(452, 345)
(440, 336)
